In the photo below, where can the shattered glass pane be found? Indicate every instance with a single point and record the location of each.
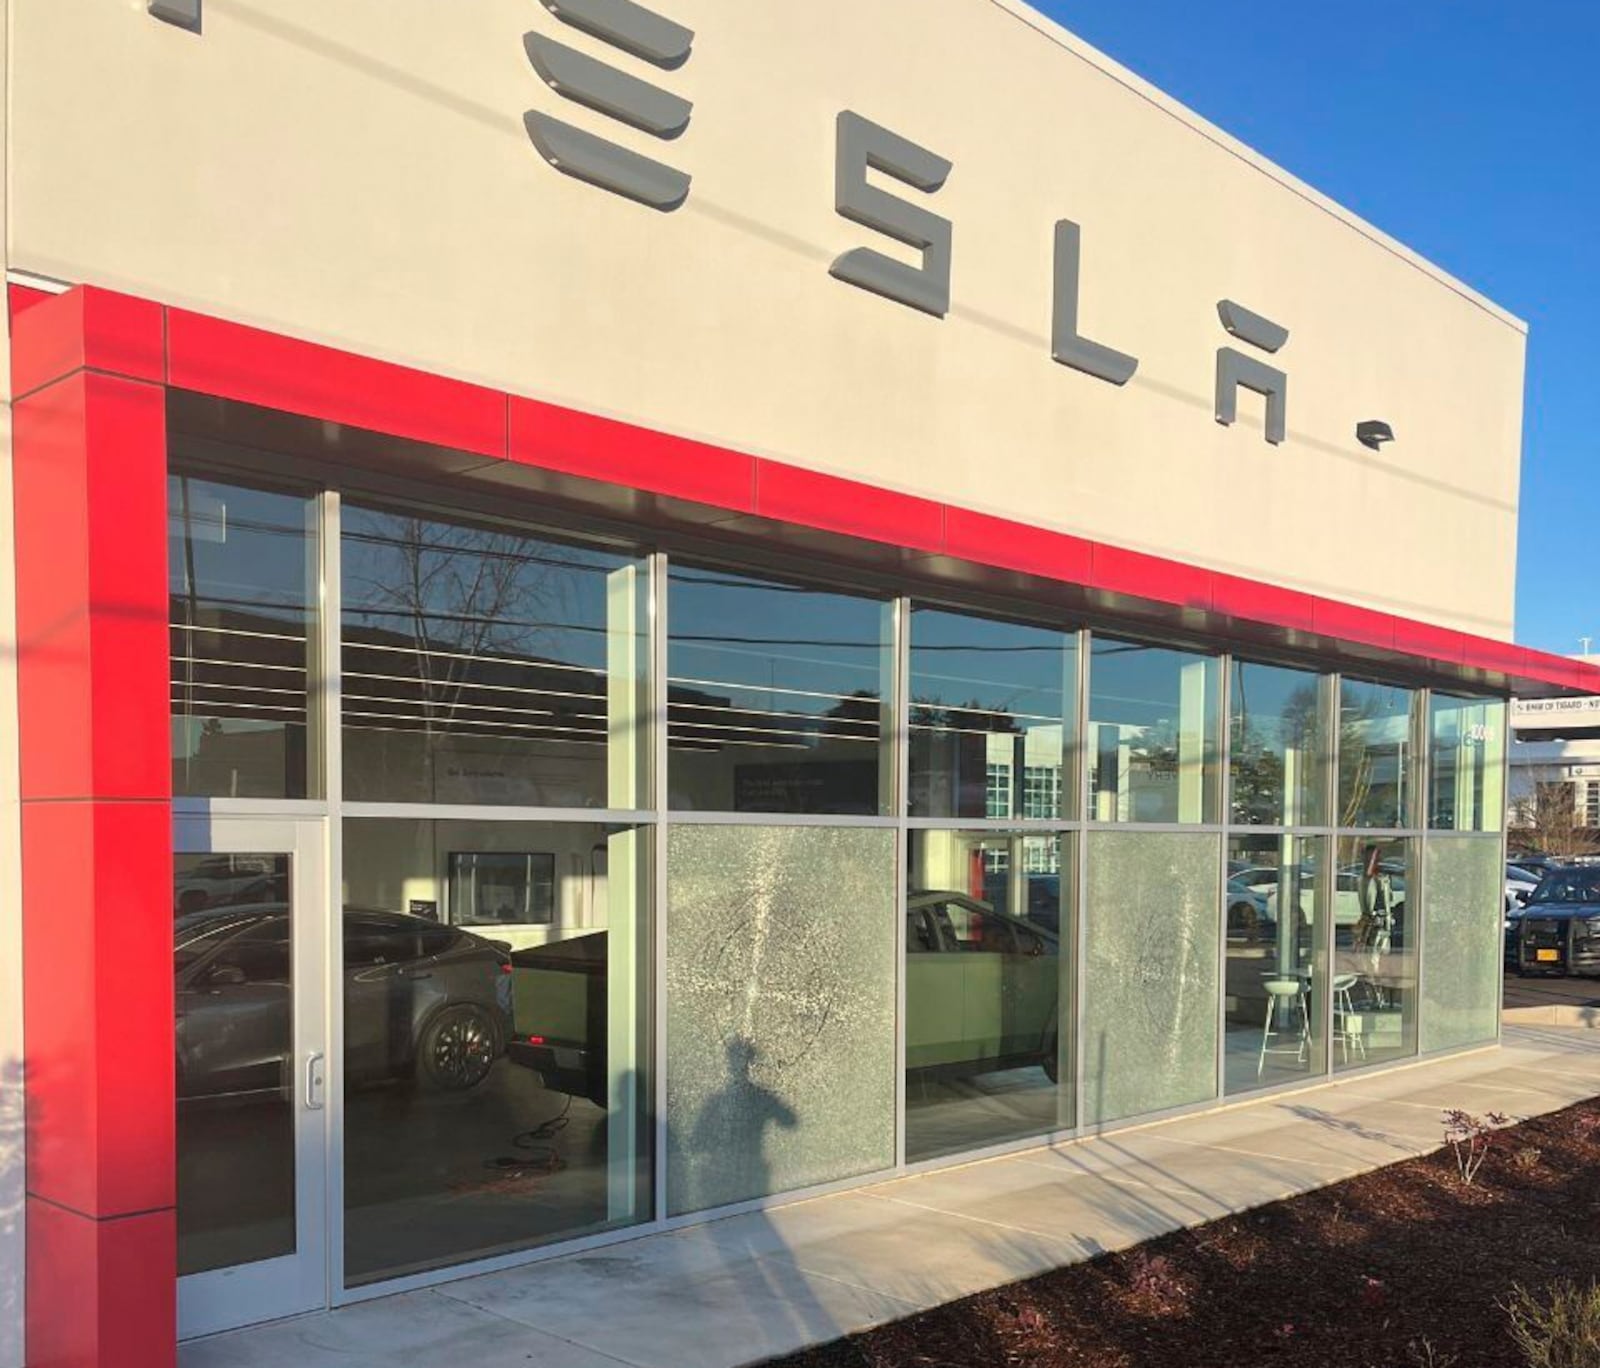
(1463, 905)
(1150, 972)
(780, 984)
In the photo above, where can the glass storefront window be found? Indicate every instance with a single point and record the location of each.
(780, 999)
(987, 1014)
(1374, 977)
(992, 709)
(1469, 756)
(496, 1038)
(233, 989)
(242, 576)
(1462, 943)
(482, 665)
(776, 696)
(1279, 760)
(1150, 972)
(1277, 962)
(1153, 744)
(1377, 754)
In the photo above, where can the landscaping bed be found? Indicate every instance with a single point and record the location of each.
(1407, 1265)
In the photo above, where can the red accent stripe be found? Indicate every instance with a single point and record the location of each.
(253, 366)
(573, 443)
(232, 361)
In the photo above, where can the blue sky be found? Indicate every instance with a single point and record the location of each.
(1468, 129)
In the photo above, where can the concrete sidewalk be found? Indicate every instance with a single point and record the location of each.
(741, 1290)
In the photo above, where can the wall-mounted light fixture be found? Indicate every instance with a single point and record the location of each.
(1374, 433)
(184, 13)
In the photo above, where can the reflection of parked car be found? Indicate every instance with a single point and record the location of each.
(230, 881)
(1559, 929)
(982, 988)
(1252, 903)
(419, 998)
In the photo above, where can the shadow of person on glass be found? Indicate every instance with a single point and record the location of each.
(731, 1131)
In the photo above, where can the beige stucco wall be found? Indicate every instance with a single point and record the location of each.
(357, 172)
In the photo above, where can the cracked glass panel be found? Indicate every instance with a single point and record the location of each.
(1463, 905)
(1150, 972)
(780, 990)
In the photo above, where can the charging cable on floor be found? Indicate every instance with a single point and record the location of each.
(543, 1157)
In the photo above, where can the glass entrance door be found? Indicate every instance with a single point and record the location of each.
(250, 936)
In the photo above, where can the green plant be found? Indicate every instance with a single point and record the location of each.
(1471, 1138)
(1558, 1330)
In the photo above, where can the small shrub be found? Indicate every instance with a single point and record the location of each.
(1559, 1330)
(1526, 1157)
(1471, 1138)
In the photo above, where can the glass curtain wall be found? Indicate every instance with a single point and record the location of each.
(1274, 905)
(1376, 921)
(780, 958)
(989, 932)
(1464, 893)
(495, 968)
(1247, 873)
(242, 581)
(1151, 917)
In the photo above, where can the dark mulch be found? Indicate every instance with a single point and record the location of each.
(1402, 1268)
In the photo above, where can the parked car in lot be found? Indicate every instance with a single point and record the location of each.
(982, 988)
(1559, 929)
(421, 1000)
(1520, 883)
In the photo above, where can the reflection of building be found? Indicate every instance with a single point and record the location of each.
(1556, 741)
(700, 648)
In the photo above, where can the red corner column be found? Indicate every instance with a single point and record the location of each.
(89, 441)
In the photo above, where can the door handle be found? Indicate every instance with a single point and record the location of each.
(316, 1081)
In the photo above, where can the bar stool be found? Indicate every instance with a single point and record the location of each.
(1278, 990)
(1347, 1022)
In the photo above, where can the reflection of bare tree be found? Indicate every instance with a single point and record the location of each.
(468, 596)
(1551, 823)
(1358, 757)
(1259, 745)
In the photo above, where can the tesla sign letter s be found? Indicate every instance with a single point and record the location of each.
(862, 143)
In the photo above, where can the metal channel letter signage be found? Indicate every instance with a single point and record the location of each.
(1236, 370)
(575, 76)
(863, 144)
(183, 13)
(605, 85)
(1068, 346)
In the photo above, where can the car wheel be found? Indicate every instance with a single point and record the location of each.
(458, 1048)
(1051, 1061)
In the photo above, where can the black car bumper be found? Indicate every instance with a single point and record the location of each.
(564, 1068)
(1556, 946)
